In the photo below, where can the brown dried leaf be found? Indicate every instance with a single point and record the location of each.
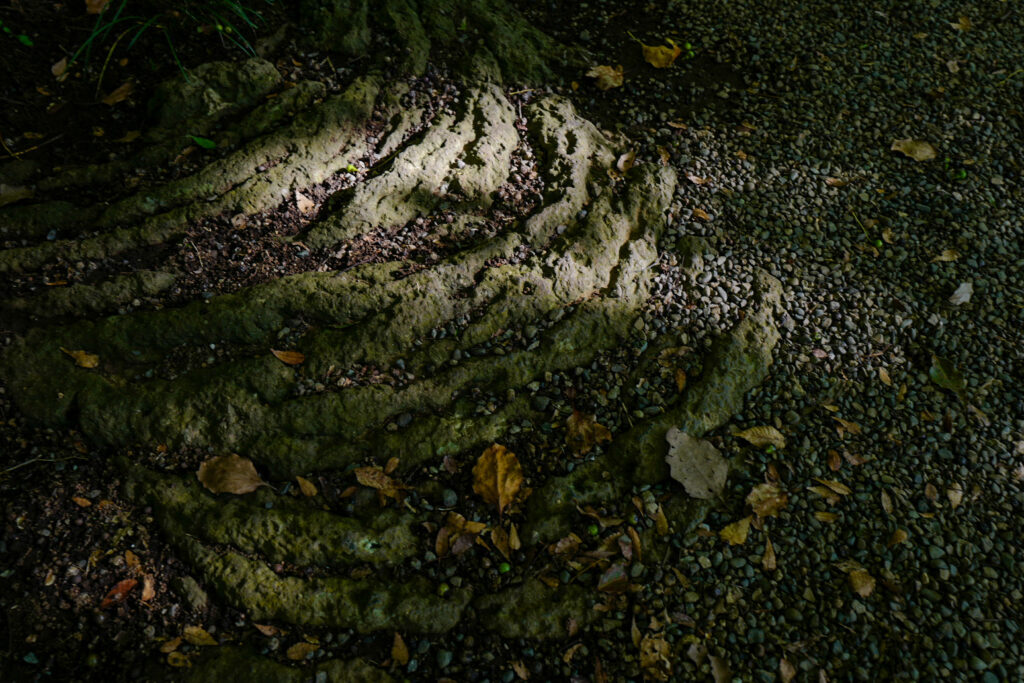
(289, 357)
(171, 645)
(962, 24)
(836, 182)
(179, 660)
(768, 561)
(497, 477)
(835, 462)
(583, 433)
(930, 492)
(736, 533)
(701, 214)
(606, 77)
(613, 580)
(521, 671)
(862, 582)
(60, 69)
(661, 56)
(95, 6)
(826, 517)
(660, 521)
(634, 539)
(83, 359)
(81, 502)
(148, 588)
(918, 150)
(836, 486)
(130, 136)
(946, 256)
(762, 436)
(696, 464)
(399, 650)
(307, 487)
(267, 630)
(680, 377)
(300, 651)
(197, 635)
(883, 375)
(303, 203)
(696, 180)
(118, 593)
(499, 537)
(787, 670)
(120, 94)
(767, 499)
(898, 536)
(654, 657)
(375, 478)
(229, 474)
(955, 493)
(132, 561)
(720, 670)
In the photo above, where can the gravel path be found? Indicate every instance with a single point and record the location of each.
(870, 246)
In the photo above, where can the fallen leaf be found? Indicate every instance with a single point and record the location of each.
(947, 255)
(696, 180)
(304, 203)
(720, 670)
(918, 150)
(521, 671)
(375, 478)
(847, 425)
(930, 492)
(962, 295)
(499, 537)
(953, 66)
(736, 533)
(391, 465)
(887, 236)
(664, 154)
(701, 214)
(129, 136)
(10, 194)
(634, 540)
(300, 651)
(661, 56)
(898, 536)
(606, 77)
(197, 635)
(660, 521)
(307, 487)
(962, 24)
(95, 6)
(886, 503)
(767, 499)
(836, 486)
(834, 461)
(862, 582)
(583, 433)
(399, 650)
(654, 658)
(571, 652)
(229, 474)
(613, 580)
(83, 359)
(768, 560)
(131, 560)
(60, 69)
(826, 493)
(625, 161)
(118, 593)
(178, 660)
(836, 182)
(787, 670)
(457, 535)
(825, 517)
(205, 143)
(955, 493)
(171, 645)
(497, 477)
(81, 502)
(883, 375)
(268, 630)
(696, 464)
(122, 93)
(289, 357)
(947, 376)
(762, 436)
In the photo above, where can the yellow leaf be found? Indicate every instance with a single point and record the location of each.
(962, 24)
(606, 77)
(654, 657)
(83, 359)
(767, 499)
(375, 478)
(883, 375)
(307, 487)
(955, 493)
(946, 256)
(680, 377)
(497, 476)
(898, 536)
(499, 537)
(661, 56)
(171, 645)
(763, 436)
(229, 474)
(862, 582)
(197, 635)
(736, 533)
(839, 487)
(399, 650)
(178, 660)
(289, 357)
(851, 427)
(300, 651)
(132, 560)
(661, 521)
(701, 214)
(583, 433)
(826, 517)
(918, 150)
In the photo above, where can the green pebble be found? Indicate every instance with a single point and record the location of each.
(443, 588)
(593, 530)
(504, 567)
(444, 658)
(93, 660)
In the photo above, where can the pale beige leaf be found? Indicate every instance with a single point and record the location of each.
(763, 436)
(625, 161)
(847, 425)
(606, 77)
(171, 645)
(918, 150)
(304, 203)
(787, 670)
(836, 486)
(736, 533)
(148, 588)
(862, 582)
(661, 56)
(962, 295)
(696, 464)
(886, 503)
(120, 94)
(825, 517)
(955, 493)
(60, 68)
(229, 474)
(947, 255)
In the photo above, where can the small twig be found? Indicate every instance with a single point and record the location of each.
(198, 255)
(10, 151)
(33, 460)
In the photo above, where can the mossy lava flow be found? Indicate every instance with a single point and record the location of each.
(512, 250)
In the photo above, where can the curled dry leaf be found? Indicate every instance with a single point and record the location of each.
(304, 203)
(946, 256)
(307, 487)
(898, 536)
(767, 499)
(626, 161)
(171, 645)
(83, 359)
(862, 582)
(768, 560)
(836, 486)
(375, 478)
(497, 477)
(118, 593)
(962, 24)
(763, 436)
(918, 150)
(962, 295)
(229, 474)
(289, 357)
(179, 660)
(11, 193)
(847, 426)
(606, 77)
(654, 658)
(696, 464)
(399, 650)
(883, 375)
(120, 94)
(736, 533)
(583, 433)
(661, 56)
(701, 214)
(197, 635)
(300, 651)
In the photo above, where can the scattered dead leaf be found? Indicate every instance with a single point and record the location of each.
(886, 503)
(289, 357)
(399, 650)
(898, 536)
(701, 214)
(130, 136)
(836, 182)
(654, 658)
(862, 582)
(613, 580)
(825, 517)
(835, 462)
(736, 533)
(300, 651)
(375, 478)
(120, 94)
(696, 464)
(497, 477)
(171, 645)
(583, 433)
(118, 593)
(95, 6)
(946, 256)
(229, 474)
(918, 150)
(522, 673)
(661, 56)
(660, 521)
(768, 560)
(787, 670)
(307, 487)
(83, 359)
(955, 493)
(303, 203)
(762, 436)
(197, 635)
(720, 670)
(883, 375)
(962, 24)
(179, 660)
(81, 502)
(606, 77)
(696, 180)
(767, 499)
(847, 426)
(962, 295)
(267, 629)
